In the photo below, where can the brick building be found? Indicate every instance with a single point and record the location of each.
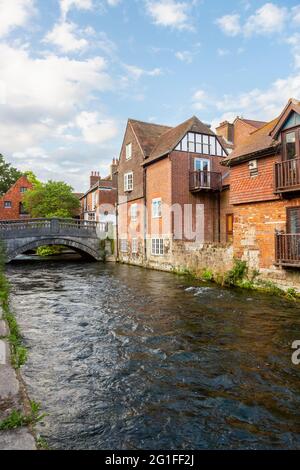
(11, 203)
(172, 190)
(99, 202)
(265, 193)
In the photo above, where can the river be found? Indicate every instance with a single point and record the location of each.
(125, 358)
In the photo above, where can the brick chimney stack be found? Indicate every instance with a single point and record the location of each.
(113, 171)
(94, 178)
(226, 130)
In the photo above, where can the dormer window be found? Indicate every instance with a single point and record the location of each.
(128, 151)
(202, 144)
(291, 143)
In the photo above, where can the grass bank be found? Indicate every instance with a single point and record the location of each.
(242, 277)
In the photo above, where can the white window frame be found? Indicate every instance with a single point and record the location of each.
(134, 246)
(123, 249)
(129, 151)
(134, 212)
(156, 208)
(127, 187)
(157, 247)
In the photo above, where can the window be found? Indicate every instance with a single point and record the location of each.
(202, 144)
(123, 245)
(94, 200)
(7, 204)
(157, 246)
(293, 220)
(128, 151)
(229, 227)
(128, 181)
(23, 190)
(290, 145)
(156, 208)
(134, 246)
(134, 212)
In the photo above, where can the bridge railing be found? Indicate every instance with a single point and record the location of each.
(17, 228)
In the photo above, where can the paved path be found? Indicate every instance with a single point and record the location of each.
(11, 399)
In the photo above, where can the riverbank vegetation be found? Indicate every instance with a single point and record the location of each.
(18, 350)
(241, 277)
(17, 419)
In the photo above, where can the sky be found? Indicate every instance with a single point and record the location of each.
(73, 71)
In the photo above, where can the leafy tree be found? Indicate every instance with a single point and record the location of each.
(52, 199)
(8, 175)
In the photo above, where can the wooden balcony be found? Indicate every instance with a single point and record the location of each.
(205, 181)
(287, 176)
(288, 249)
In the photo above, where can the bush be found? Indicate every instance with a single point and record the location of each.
(208, 275)
(49, 250)
(237, 273)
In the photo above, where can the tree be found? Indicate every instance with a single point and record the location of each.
(8, 175)
(52, 199)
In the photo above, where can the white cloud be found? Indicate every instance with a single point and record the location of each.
(94, 129)
(261, 104)
(67, 5)
(136, 72)
(63, 35)
(223, 52)
(296, 14)
(169, 13)
(113, 3)
(266, 20)
(43, 94)
(15, 13)
(184, 56)
(199, 99)
(230, 24)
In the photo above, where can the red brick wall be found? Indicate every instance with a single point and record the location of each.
(134, 165)
(182, 164)
(159, 176)
(15, 196)
(245, 188)
(255, 225)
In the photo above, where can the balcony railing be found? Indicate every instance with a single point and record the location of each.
(205, 181)
(288, 249)
(287, 176)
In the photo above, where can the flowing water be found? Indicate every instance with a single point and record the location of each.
(125, 358)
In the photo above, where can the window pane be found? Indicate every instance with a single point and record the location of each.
(198, 148)
(184, 144)
(212, 145)
(205, 139)
(198, 138)
(291, 145)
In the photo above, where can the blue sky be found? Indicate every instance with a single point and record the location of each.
(73, 71)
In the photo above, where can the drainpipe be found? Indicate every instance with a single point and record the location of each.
(117, 229)
(219, 216)
(145, 213)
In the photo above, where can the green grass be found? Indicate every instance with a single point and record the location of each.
(17, 419)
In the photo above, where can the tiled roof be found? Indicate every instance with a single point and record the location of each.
(170, 139)
(147, 134)
(257, 141)
(256, 124)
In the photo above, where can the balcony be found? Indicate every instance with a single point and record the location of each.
(287, 176)
(205, 181)
(288, 249)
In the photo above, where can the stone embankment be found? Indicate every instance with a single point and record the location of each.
(12, 397)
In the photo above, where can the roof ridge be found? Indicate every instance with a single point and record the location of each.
(149, 123)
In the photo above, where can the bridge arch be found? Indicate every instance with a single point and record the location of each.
(84, 250)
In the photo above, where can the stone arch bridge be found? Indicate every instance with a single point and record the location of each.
(81, 236)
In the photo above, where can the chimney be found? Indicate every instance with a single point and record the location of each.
(226, 130)
(113, 171)
(94, 178)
